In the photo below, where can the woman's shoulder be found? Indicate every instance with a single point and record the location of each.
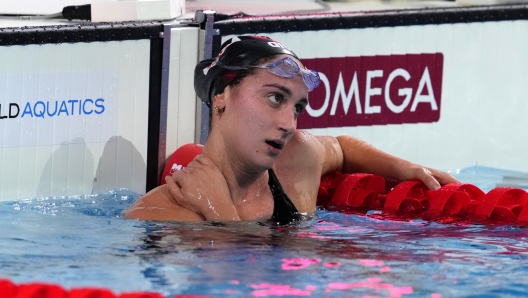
(303, 150)
(313, 152)
(311, 144)
(306, 141)
(299, 169)
(158, 205)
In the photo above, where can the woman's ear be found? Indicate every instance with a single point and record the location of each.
(220, 99)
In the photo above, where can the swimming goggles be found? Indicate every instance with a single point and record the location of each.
(286, 68)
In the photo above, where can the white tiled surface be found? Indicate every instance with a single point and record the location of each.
(260, 7)
(252, 7)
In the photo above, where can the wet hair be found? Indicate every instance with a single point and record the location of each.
(210, 79)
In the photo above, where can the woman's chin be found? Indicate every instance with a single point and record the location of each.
(266, 163)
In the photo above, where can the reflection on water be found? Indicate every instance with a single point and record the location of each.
(83, 241)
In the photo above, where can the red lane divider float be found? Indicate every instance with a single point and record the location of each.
(43, 290)
(412, 199)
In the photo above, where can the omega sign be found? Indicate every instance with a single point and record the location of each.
(374, 90)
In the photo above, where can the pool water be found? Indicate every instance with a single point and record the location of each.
(83, 241)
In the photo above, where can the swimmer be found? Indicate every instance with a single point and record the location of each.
(255, 164)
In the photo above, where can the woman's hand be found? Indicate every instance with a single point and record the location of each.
(201, 188)
(432, 178)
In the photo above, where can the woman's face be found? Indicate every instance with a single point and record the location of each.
(261, 116)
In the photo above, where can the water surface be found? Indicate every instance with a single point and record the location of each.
(83, 241)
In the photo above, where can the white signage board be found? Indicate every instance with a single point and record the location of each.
(461, 89)
(73, 118)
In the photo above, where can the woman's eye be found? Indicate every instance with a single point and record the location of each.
(298, 109)
(275, 98)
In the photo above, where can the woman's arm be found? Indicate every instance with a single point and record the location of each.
(362, 157)
(198, 192)
(159, 205)
(351, 155)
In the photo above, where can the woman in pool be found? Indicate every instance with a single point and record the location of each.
(256, 89)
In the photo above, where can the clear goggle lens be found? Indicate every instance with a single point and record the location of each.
(285, 68)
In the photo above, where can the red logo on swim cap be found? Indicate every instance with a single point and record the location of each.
(262, 37)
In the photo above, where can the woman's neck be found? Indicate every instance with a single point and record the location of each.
(244, 183)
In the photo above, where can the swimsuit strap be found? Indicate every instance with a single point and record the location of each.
(284, 211)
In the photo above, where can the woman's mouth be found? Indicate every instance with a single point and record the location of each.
(275, 147)
(275, 144)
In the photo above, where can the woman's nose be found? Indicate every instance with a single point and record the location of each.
(288, 121)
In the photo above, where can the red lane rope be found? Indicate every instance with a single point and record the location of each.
(45, 290)
(412, 199)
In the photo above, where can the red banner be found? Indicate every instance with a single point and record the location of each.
(374, 90)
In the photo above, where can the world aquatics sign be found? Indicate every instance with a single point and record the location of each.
(49, 109)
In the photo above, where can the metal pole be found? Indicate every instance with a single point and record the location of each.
(208, 17)
(164, 98)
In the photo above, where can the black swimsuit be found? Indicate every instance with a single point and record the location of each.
(284, 211)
